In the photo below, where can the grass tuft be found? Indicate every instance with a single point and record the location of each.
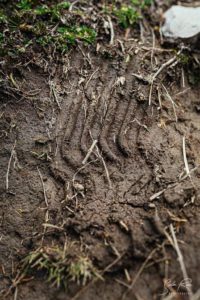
(127, 16)
(59, 266)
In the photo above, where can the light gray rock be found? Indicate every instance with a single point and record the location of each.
(182, 23)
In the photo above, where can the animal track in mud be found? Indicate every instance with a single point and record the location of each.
(104, 111)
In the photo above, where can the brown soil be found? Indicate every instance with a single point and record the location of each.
(106, 205)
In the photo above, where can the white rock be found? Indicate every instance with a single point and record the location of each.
(181, 23)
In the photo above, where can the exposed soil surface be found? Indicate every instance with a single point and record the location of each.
(118, 204)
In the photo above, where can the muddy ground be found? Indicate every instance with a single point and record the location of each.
(117, 206)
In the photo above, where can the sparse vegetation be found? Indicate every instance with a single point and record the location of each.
(26, 23)
(127, 15)
(59, 266)
(43, 25)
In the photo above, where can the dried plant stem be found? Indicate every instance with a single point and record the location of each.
(43, 186)
(185, 159)
(89, 152)
(162, 67)
(112, 35)
(9, 164)
(181, 261)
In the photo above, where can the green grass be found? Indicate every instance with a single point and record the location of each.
(30, 24)
(46, 26)
(54, 10)
(59, 266)
(3, 17)
(142, 3)
(128, 15)
(73, 33)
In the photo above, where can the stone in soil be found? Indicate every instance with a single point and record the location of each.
(182, 23)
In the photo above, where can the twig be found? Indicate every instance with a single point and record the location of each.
(122, 46)
(47, 205)
(172, 101)
(142, 30)
(182, 92)
(83, 167)
(9, 163)
(163, 66)
(185, 159)
(113, 263)
(156, 49)
(112, 35)
(183, 78)
(105, 167)
(107, 173)
(73, 3)
(91, 77)
(142, 78)
(153, 47)
(139, 272)
(89, 152)
(181, 261)
(52, 226)
(166, 64)
(17, 280)
(140, 124)
(122, 283)
(159, 98)
(173, 185)
(43, 186)
(97, 278)
(84, 55)
(16, 293)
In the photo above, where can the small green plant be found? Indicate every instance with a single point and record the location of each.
(25, 4)
(69, 35)
(56, 10)
(86, 34)
(3, 17)
(83, 33)
(185, 58)
(63, 5)
(142, 3)
(127, 16)
(59, 266)
(41, 10)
